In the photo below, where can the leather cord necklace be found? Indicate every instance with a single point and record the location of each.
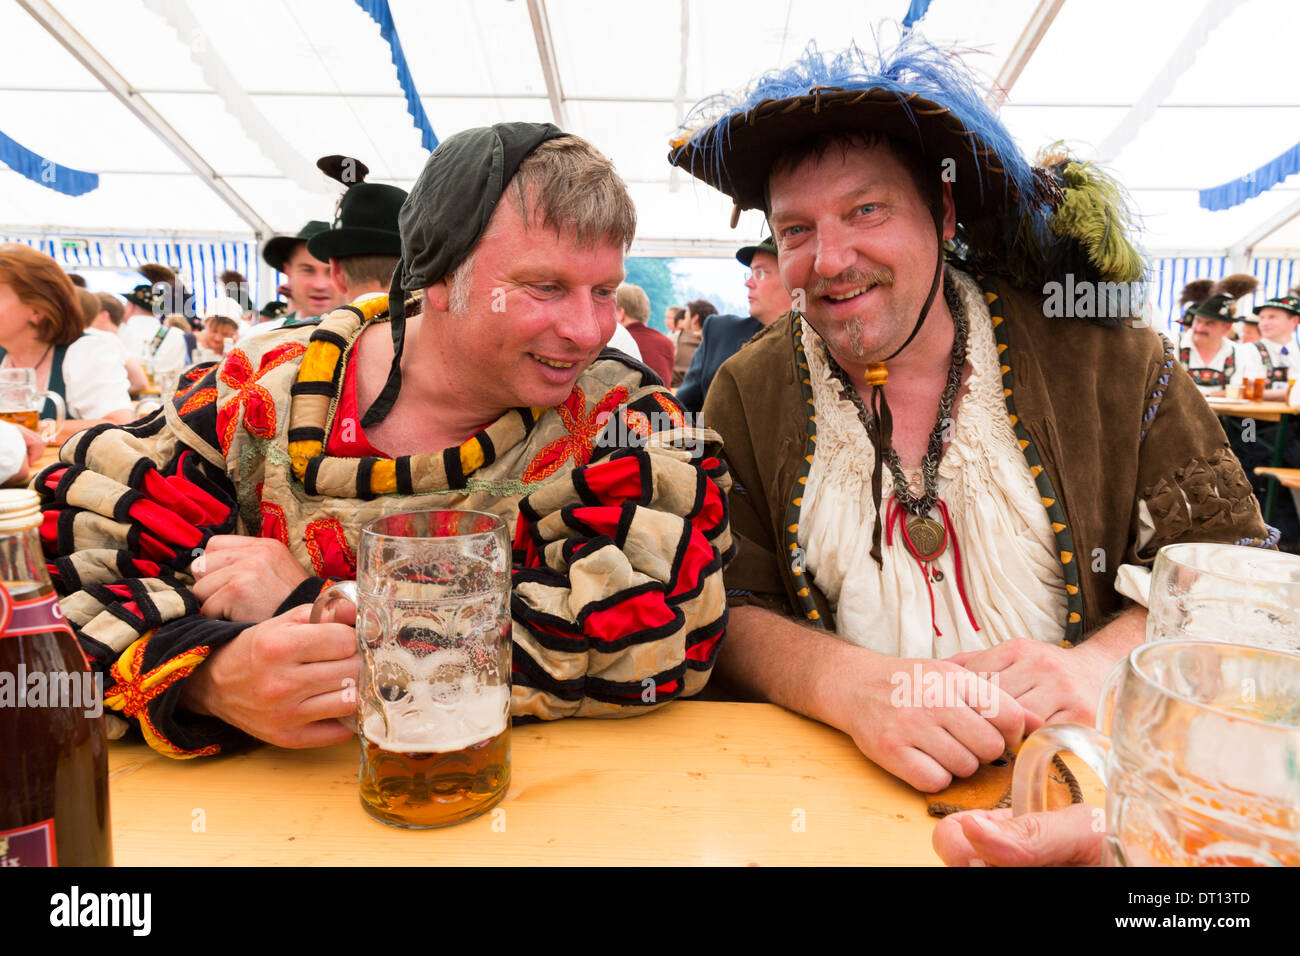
(924, 537)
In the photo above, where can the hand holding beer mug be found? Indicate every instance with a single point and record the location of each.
(433, 626)
(1222, 592)
(1199, 747)
(21, 403)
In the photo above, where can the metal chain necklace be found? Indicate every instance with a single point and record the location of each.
(925, 537)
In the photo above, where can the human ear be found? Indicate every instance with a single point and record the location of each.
(949, 211)
(439, 295)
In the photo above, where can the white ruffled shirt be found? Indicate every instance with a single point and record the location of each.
(1012, 575)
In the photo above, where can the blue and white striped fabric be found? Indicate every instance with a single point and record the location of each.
(199, 263)
(1275, 277)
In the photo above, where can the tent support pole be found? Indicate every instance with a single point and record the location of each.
(550, 69)
(1030, 37)
(115, 83)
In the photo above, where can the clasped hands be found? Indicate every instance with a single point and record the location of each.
(968, 709)
(284, 680)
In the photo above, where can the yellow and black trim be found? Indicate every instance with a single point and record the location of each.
(314, 402)
(790, 535)
(1065, 552)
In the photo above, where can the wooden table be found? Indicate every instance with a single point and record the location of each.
(1274, 411)
(1289, 477)
(694, 783)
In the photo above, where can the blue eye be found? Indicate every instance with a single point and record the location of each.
(868, 208)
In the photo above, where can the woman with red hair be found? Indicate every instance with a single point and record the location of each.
(41, 328)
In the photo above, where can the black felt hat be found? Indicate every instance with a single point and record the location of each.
(746, 253)
(366, 224)
(278, 249)
(142, 297)
(274, 309)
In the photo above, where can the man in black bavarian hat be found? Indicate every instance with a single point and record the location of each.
(479, 382)
(938, 608)
(311, 291)
(363, 246)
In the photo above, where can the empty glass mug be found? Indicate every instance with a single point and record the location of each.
(433, 629)
(21, 402)
(1199, 747)
(1222, 592)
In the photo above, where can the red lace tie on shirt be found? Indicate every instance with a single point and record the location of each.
(895, 513)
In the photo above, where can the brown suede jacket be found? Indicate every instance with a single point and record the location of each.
(1106, 417)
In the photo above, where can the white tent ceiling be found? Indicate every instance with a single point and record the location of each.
(253, 91)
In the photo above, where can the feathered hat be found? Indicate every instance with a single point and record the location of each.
(1031, 223)
(169, 294)
(1287, 303)
(1221, 303)
(1193, 294)
(365, 220)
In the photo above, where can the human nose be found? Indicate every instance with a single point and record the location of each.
(582, 325)
(834, 254)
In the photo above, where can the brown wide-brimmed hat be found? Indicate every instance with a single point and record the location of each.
(925, 98)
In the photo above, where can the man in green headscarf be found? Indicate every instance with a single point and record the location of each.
(194, 541)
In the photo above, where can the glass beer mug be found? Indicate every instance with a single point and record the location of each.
(21, 402)
(433, 629)
(1199, 747)
(1222, 592)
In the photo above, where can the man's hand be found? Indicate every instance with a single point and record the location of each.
(283, 681)
(244, 579)
(1054, 683)
(1060, 684)
(1071, 836)
(927, 721)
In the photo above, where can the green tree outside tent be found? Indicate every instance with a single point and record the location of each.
(655, 276)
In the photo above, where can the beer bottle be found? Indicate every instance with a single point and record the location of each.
(53, 748)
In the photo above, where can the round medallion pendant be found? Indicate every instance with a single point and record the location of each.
(925, 538)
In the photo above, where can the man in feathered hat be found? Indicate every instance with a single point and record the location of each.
(216, 522)
(1030, 459)
(1212, 359)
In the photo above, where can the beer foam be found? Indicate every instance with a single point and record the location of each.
(439, 717)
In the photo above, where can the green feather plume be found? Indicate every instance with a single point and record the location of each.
(1094, 213)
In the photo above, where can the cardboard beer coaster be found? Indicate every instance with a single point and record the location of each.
(989, 788)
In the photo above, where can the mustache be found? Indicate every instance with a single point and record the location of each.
(853, 278)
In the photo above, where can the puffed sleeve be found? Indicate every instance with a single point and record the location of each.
(618, 600)
(126, 509)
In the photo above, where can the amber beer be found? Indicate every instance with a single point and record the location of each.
(434, 789)
(29, 418)
(53, 747)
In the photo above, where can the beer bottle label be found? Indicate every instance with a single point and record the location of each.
(29, 846)
(38, 615)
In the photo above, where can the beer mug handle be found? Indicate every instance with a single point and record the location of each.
(1036, 753)
(325, 601)
(60, 414)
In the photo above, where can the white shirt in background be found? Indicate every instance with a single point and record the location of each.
(623, 341)
(94, 383)
(13, 452)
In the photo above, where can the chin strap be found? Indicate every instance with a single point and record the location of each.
(382, 405)
(878, 405)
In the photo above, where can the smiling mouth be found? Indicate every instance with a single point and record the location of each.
(554, 363)
(851, 294)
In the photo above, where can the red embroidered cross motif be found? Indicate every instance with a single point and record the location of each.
(274, 524)
(257, 404)
(331, 555)
(582, 427)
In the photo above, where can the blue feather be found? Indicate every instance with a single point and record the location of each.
(914, 65)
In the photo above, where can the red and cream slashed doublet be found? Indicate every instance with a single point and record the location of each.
(621, 532)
